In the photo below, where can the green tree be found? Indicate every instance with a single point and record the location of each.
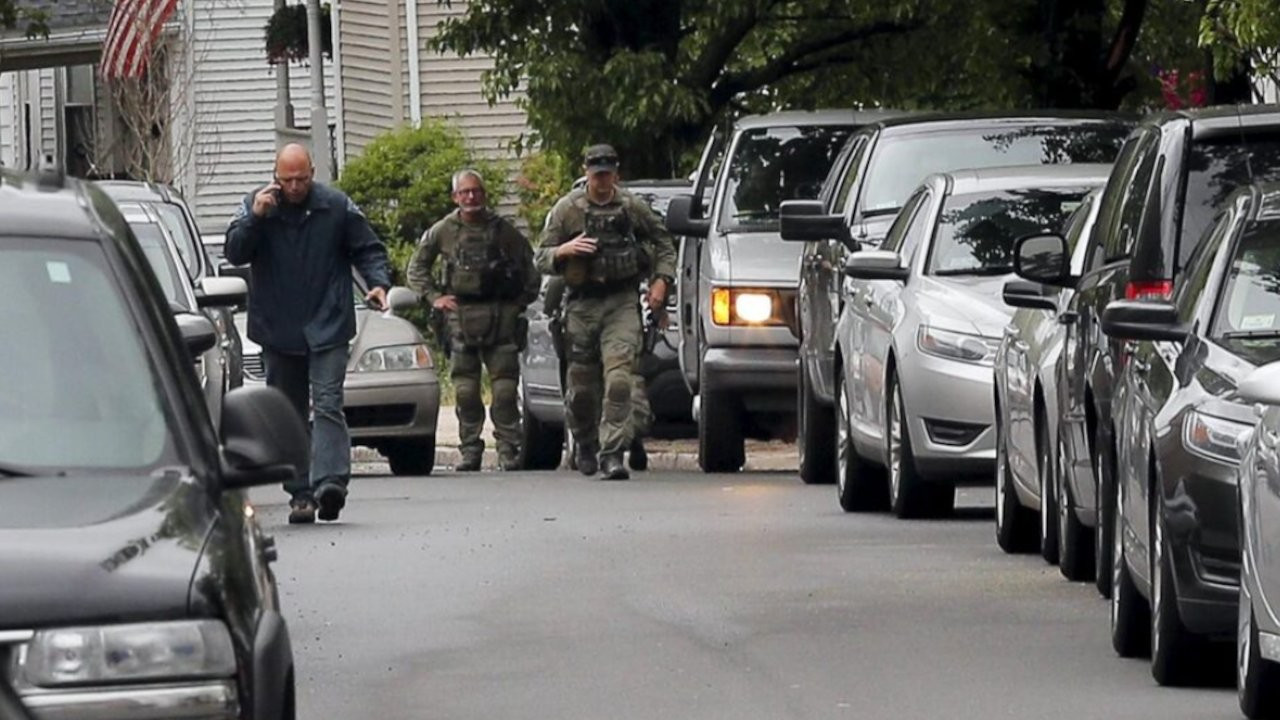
(15, 14)
(1242, 36)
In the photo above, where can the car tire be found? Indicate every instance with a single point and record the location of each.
(1075, 541)
(1104, 542)
(720, 442)
(1130, 614)
(860, 487)
(1046, 468)
(910, 494)
(1257, 679)
(413, 457)
(1176, 652)
(541, 444)
(815, 444)
(1015, 524)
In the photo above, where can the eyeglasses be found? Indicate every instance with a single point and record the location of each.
(469, 191)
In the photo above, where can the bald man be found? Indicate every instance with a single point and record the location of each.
(301, 240)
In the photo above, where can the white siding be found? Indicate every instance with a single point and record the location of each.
(234, 104)
(8, 120)
(373, 97)
(48, 112)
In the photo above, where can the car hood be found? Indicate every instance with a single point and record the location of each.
(90, 549)
(969, 304)
(745, 258)
(376, 329)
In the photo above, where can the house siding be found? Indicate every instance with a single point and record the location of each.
(8, 120)
(373, 95)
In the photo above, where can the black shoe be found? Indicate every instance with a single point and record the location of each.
(587, 463)
(469, 463)
(638, 458)
(302, 511)
(509, 463)
(611, 468)
(331, 500)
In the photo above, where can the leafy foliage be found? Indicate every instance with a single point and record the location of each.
(286, 34)
(544, 177)
(34, 22)
(1242, 34)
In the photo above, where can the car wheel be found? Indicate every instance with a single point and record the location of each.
(1130, 615)
(910, 495)
(720, 441)
(814, 445)
(541, 443)
(1075, 541)
(1047, 471)
(1015, 524)
(413, 457)
(1175, 651)
(1257, 679)
(1104, 475)
(858, 486)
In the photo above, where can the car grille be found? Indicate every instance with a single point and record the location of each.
(379, 415)
(253, 367)
(946, 432)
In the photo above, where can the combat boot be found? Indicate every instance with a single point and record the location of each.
(509, 461)
(638, 458)
(586, 460)
(469, 463)
(611, 468)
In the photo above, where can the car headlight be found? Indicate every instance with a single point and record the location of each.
(957, 346)
(746, 306)
(395, 357)
(196, 649)
(1214, 438)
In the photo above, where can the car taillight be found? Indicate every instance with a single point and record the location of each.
(1149, 290)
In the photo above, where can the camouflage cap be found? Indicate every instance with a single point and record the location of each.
(598, 158)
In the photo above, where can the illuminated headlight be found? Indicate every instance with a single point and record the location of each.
(1213, 437)
(957, 346)
(395, 357)
(197, 649)
(746, 306)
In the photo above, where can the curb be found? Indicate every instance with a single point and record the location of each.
(447, 457)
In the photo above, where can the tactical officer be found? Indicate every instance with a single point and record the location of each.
(604, 243)
(488, 281)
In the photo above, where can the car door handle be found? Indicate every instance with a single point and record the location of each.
(1068, 317)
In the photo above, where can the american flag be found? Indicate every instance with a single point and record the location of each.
(131, 32)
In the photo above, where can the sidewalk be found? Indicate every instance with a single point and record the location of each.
(668, 455)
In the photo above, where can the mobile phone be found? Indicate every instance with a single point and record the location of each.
(278, 192)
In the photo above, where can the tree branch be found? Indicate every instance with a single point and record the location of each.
(721, 48)
(1126, 36)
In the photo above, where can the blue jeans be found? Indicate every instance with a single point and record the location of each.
(313, 383)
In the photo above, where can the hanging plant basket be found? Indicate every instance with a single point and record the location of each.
(286, 35)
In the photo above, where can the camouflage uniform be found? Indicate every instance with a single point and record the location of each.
(602, 315)
(488, 266)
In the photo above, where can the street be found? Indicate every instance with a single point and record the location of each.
(683, 595)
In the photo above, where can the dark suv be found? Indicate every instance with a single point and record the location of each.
(873, 176)
(1172, 175)
(137, 582)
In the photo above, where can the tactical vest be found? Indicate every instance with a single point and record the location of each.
(478, 268)
(618, 260)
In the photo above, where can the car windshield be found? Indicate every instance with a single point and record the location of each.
(1247, 318)
(176, 223)
(1217, 169)
(772, 165)
(77, 389)
(899, 163)
(976, 231)
(156, 248)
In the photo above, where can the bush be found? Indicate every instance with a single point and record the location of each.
(544, 177)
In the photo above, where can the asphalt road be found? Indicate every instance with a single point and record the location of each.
(546, 595)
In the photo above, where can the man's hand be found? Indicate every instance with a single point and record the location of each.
(658, 295)
(581, 245)
(265, 199)
(377, 298)
(447, 303)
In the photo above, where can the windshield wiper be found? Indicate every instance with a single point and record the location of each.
(1251, 335)
(15, 471)
(992, 270)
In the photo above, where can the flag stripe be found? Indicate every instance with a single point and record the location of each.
(131, 33)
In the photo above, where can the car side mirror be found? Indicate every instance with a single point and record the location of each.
(807, 220)
(1262, 385)
(221, 292)
(263, 438)
(198, 333)
(402, 298)
(1044, 259)
(1023, 294)
(680, 219)
(876, 265)
(1142, 320)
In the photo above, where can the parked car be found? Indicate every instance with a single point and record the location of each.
(541, 376)
(1028, 384)
(137, 581)
(219, 367)
(1257, 659)
(921, 324)
(1172, 174)
(876, 172)
(1175, 582)
(391, 394)
(737, 281)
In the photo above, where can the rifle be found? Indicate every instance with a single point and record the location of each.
(652, 325)
(439, 322)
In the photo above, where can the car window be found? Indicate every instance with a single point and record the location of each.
(898, 231)
(1247, 318)
(976, 231)
(918, 230)
(771, 165)
(1133, 203)
(1200, 266)
(900, 162)
(77, 389)
(1112, 198)
(156, 247)
(188, 243)
(844, 193)
(1078, 227)
(1215, 170)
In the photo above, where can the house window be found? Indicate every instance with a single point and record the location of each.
(80, 121)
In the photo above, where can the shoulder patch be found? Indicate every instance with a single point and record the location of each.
(354, 209)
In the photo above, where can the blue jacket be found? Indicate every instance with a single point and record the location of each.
(301, 259)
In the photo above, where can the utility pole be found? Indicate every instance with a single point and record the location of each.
(284, 104)
(320, 150)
